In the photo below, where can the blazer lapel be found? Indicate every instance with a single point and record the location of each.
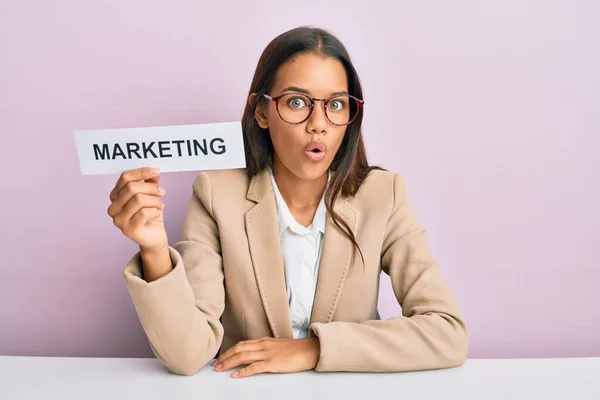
(265, 251)
(335, 262)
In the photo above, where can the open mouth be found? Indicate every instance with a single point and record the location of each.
(316, 147)
(315, 151)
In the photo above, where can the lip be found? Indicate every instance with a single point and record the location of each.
(313, 155)
(316, 145)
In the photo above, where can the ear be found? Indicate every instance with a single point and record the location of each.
(259, 112)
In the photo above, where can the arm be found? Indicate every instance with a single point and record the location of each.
(180, 311)
(431, 333)
(155, 263)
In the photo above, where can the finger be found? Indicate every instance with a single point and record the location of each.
(153, 180)
(134, 175)
(134, 205)
(230, 352)
(130, 190)
(142, 217)
(258, 367)
(245, 357)
(247, 345)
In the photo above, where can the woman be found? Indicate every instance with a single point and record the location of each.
(278, 266)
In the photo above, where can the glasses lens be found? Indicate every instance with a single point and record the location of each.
(294, 108)
(342, 109)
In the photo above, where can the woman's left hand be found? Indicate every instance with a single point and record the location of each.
(270, 355)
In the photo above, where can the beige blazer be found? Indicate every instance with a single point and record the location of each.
(228, 282)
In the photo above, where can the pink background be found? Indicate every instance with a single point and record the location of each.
(490, 110)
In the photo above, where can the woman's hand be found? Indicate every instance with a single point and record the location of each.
(270, 355)
(136, 208)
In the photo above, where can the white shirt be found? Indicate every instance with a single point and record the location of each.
(301, 248)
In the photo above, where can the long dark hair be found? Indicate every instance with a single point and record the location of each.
(349, 167)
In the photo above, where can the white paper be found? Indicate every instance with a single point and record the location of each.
(170, 148)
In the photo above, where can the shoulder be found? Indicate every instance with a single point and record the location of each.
(219, 186)
(381, 189)
(379, 179)
(381, 182)
(228, 178)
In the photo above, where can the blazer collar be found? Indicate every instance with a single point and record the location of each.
(262, 229)
(259, 187)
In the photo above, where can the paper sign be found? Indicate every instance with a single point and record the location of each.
(170, 148)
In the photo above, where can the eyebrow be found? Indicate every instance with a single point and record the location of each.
(306, 92)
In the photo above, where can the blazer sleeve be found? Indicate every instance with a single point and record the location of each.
(180, 312)
(431, 332)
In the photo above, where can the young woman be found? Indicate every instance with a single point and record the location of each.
(278, 266)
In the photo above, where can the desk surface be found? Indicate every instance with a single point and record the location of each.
(112, 378)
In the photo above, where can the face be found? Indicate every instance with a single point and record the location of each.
(305, 150)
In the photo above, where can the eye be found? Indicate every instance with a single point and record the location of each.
(335, 105)
(297, 102)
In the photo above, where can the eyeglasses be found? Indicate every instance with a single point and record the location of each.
(295, 108)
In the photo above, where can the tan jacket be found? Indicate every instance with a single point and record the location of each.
(228, 282)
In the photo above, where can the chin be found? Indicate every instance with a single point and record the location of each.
(311, 171)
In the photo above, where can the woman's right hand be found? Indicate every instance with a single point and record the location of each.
(137, 209)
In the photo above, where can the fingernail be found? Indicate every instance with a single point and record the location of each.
(155, 171)
(218, 366)
(161, 190)
(235, 374)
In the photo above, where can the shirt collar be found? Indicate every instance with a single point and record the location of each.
(287, 220)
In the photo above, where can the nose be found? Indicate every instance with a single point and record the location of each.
(317, 123)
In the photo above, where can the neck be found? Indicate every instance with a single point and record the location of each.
(298, 193)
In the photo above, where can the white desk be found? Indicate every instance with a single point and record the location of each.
(101, 378)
